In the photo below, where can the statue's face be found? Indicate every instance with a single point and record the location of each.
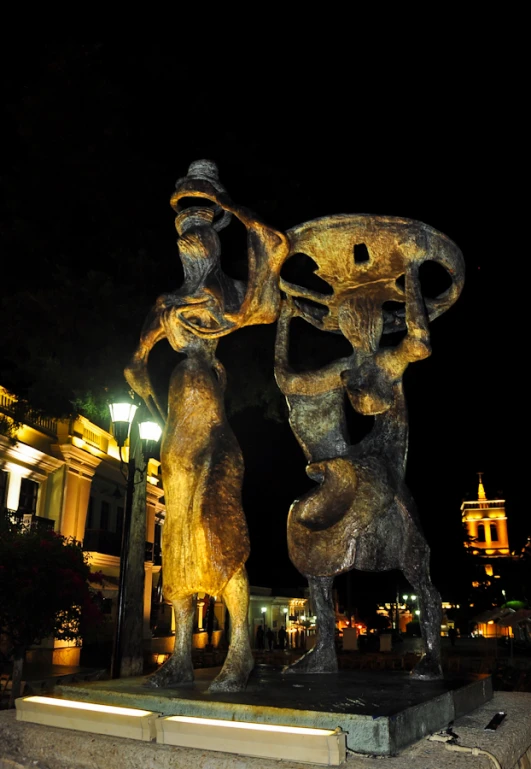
(178, 335)
(203, 312)
(203, 302)
(211, 303)
(205, 318)
(366, 285)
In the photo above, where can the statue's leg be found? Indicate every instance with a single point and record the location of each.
(239, 663)
(417, 573)
(178, 669)
(322, 658)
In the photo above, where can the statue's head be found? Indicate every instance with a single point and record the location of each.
(212, 304)
(365, 279)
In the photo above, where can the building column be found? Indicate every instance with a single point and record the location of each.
(80, 469)
(488, 540)
(200, 609)
(148, 591)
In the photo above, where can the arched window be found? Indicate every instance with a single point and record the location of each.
(481, 533)
(494, 532)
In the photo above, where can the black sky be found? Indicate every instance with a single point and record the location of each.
(97, 134)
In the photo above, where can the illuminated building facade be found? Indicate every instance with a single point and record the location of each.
(486, 524)
(65, 474)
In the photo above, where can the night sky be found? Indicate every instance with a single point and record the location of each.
(97, 135)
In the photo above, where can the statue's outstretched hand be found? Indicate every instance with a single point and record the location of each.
(137, 376)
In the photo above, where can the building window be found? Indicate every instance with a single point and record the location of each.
(494, 532)
(28, 497)
(157, 550)
(90, 514)
(3, 488)
(119, 520)
(481, 533)
(104, 516)
(158, 533)
(106, 606)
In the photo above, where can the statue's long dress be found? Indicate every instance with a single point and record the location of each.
(205, 539)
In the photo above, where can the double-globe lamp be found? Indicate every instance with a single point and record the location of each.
(122, 415)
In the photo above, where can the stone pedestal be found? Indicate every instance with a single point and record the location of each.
(382, 712)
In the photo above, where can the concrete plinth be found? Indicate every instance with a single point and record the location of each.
(382, 712)
(31, 746)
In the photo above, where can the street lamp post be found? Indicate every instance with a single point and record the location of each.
(127, 657)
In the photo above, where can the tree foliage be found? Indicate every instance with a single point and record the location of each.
(44, 587)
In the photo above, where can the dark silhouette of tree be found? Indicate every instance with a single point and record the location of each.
(44, 590)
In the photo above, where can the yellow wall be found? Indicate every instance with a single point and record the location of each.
(75, 505)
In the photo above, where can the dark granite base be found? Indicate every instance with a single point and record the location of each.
(381, 711)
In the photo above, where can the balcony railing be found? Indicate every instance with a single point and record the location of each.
(102, 541)
(491, 504)
(109, 543)
(90, 433)
(29, 519)
(8, 405)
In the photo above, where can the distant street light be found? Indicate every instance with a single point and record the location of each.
(405, 597)
(132, 549)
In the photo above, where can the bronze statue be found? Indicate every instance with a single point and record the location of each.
(205, 541)
(361, 514)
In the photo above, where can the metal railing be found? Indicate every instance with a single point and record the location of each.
(31, 417)
(491, 504)
(28, 519)
(102, 541)
(109, 543)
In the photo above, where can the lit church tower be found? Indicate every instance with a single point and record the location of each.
(486, 524)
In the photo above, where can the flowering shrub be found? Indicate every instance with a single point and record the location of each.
(44, 587)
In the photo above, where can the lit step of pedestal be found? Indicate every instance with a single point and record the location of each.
(317, 746)
(88, 717)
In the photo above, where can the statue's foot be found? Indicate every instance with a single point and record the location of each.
(427, 669)
(317, 660)
(234, 674)
(172, 673)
